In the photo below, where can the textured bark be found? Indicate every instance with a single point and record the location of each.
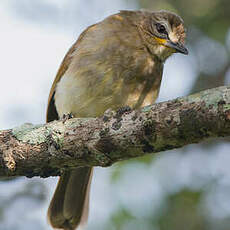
(46, 150)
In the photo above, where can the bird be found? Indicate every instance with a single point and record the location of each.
(114, 63)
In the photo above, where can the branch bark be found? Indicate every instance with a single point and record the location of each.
(46, 150)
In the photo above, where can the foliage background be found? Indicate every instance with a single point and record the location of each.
(184, 189)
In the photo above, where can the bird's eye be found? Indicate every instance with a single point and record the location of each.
(161, 29)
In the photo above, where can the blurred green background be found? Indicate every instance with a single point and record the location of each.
(181, 189)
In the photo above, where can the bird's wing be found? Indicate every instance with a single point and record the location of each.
(51, 113)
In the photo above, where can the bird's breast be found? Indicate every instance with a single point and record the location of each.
(90, 96)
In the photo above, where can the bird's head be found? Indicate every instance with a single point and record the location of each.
(163, 33)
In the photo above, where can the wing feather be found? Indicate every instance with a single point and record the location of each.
(51, 113)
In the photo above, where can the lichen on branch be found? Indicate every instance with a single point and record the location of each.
(47, 150)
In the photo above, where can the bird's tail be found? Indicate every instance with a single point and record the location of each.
(70, 203)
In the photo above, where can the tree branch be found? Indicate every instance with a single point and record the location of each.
(46, 150)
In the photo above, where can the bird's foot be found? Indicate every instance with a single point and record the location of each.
(123, 110)
(66, 117)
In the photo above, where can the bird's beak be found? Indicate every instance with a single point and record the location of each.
(177, 46)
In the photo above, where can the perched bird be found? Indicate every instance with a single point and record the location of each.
(114, 63)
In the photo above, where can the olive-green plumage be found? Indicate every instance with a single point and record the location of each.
(114, 63)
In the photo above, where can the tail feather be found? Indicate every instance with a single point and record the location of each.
(69, 206)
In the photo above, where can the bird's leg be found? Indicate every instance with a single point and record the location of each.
(123, 110)
(66, 117)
